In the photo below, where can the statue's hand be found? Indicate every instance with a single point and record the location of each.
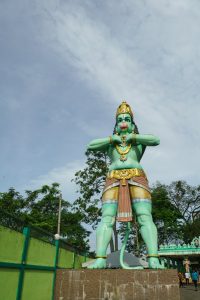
(116, 139)
(130, 138)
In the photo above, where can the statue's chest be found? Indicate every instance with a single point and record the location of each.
(123, 153)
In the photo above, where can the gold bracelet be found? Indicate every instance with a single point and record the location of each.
(101, 257)
(153, 255)
(111, 140)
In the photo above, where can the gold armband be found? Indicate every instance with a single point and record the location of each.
(152, 255)
(101, 257)
(111, 140)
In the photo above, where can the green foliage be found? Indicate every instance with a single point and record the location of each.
(176, 210)
(40, 208)
(166, 215)
(43, 205)
(185, 198)
(191, 230)
(90, 182)
(12, 202)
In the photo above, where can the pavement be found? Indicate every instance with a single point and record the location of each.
(188, 292)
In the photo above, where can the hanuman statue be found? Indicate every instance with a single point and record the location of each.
(126, 188)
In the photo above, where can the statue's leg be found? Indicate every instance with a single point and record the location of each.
(148, 230)
(104, 234)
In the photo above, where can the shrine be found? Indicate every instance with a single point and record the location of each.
(182, 257)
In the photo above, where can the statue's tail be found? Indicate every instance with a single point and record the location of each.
(124, 265)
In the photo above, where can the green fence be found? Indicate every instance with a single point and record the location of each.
(29, 258)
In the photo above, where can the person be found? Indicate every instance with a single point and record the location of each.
(195, 278)
(187, 278)
(180, 277)
(126, 188)
(186, 262)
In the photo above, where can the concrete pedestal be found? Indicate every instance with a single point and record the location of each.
(117, 285)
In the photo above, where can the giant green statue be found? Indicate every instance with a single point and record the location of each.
(126, 188)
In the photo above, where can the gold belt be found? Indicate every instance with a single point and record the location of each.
(124, 174)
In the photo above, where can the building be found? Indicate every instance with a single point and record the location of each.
(181, 256)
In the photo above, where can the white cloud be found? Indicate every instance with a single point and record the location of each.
(162, 88)
(63, 176)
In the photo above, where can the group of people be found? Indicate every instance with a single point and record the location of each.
(186, 277)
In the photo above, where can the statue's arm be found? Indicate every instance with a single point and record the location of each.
(103, 144)
(145, 139)
(99, 144)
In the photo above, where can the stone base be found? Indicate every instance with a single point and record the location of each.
(117, 285)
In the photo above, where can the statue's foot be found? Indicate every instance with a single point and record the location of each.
(154, 263)
(100, 263)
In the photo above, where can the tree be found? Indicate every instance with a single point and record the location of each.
(44, 214)
(14, 205)
(90, 182)
(185, 198)
(39, 208)
(12, 202)
(176, 211)
(191, 230)
(166, 215)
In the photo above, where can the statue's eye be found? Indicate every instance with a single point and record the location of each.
(127, 120)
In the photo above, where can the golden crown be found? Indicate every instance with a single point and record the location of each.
(124, 108)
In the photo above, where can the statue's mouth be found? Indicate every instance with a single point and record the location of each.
(124, 126)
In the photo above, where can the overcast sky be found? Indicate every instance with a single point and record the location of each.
(67, 65)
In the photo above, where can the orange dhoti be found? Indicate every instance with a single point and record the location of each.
(125, 192)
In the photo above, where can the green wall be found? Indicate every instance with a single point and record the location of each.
(78, 261)
(66, 259)
(11, 244)
(8, 283)
(40, 253)
(37, 285)
(28, 265)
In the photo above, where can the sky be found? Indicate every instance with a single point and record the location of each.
(67, 65)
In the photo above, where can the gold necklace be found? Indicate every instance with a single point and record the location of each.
(123, 152)
(123, 138)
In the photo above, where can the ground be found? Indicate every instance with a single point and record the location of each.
(189, 293)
